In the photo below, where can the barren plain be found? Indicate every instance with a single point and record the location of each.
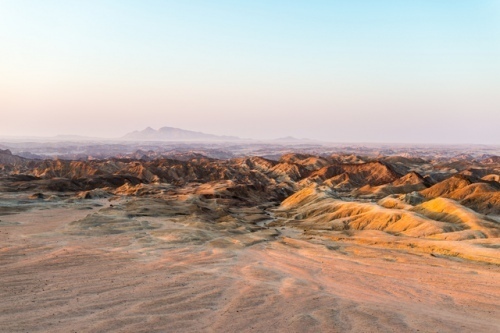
(325, 242)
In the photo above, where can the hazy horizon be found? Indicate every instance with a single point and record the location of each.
(302, 140)
(357, 71)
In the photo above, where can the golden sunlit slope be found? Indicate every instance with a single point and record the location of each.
(411, 178)
(310, 162)
(314, 209)
(492, 178)
(341, 182)
(447, 186)
(482, 196)
(408, 183)
(447, 210)
(371, 173)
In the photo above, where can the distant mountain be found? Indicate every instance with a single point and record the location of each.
(174, 134)
(6, 157)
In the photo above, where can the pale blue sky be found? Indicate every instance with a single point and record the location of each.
(344, 71)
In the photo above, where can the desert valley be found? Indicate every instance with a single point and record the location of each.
(242, 237)
(249, 166)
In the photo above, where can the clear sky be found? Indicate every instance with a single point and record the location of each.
(343, 71)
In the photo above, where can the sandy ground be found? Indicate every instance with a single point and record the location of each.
(167, 280)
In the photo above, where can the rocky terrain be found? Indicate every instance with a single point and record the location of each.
(326, 241)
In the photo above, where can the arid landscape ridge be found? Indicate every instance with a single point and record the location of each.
(353, 235)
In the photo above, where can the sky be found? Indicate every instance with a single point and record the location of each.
(404, 71)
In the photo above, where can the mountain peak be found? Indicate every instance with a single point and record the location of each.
(6, 152)
(174, 134)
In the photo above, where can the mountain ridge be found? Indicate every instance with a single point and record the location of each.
(175, 134)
